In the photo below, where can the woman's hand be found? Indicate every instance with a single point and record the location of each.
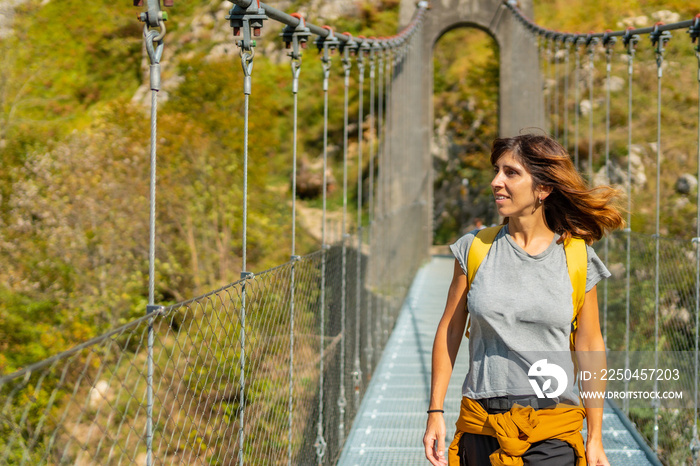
(595, 454)
(434, 440)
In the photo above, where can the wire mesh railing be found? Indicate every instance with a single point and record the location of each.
(270, 369)
(89, 405)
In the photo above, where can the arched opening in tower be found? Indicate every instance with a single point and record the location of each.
(465, 110)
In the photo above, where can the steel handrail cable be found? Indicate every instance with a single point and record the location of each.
(539, 30)
(391, 42)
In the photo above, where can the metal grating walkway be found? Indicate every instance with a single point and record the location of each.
(389, 427)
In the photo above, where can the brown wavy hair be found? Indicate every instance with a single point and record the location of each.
(572, 209)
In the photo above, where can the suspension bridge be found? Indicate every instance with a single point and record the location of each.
(325, 359)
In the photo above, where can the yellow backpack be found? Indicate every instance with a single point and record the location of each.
(576, 262)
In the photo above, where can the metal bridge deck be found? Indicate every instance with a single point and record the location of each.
(389, 427)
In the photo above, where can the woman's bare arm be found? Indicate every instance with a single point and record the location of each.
(590, 351)
(448, 338)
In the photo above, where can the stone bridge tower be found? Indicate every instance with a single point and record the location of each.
(521, 101)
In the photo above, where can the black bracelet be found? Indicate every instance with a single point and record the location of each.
(435, 411)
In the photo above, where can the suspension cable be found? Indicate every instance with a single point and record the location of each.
(370, 209)
(346, 47)
(249, 19)
(296, 37)
(381, 160)
(577, 99)
(326, 45)
(630, 42)
(591, 42)
(388, 126)
(540, 31)
(659, 39)
(357, 372)
(154, 46)
(608, 43)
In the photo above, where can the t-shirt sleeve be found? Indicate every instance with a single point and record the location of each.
(596, 269)
(460, 249)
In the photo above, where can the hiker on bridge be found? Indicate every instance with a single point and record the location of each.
(524, 318)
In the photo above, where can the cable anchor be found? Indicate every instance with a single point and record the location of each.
(326, 46)
(630, 40)
(348, 49)
(250, 18)
(609, 42)
(362, 51)
(154, 17)
(296, 37)
(591, 42)
(659, 39)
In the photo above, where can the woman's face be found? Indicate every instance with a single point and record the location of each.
(512, 188)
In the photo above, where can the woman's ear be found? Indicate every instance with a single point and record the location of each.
(544, 191)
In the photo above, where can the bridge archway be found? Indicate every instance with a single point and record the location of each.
(520, 95)
(521, 103)
(465, 102)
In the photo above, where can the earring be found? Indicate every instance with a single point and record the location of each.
(539, 202)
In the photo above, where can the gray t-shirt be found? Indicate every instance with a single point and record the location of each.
(521, 310)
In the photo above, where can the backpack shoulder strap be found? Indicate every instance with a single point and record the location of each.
(477, 252)
(577, 264)
(479, 249)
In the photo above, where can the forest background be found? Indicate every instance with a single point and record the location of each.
(74, 132)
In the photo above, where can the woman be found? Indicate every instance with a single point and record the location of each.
(520, 307)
